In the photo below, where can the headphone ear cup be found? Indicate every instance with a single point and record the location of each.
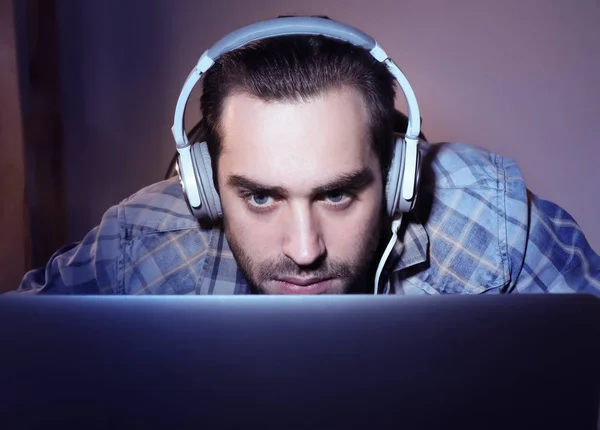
(394, 178)
(397, 176)
(189, 183)
(211, 203)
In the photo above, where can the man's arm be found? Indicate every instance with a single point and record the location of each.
(553, 255)
(92, 266)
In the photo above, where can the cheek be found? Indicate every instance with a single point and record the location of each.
(347, 236)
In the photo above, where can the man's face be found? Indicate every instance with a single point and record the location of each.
(301, 190)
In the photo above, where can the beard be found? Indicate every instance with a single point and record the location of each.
(352, 277)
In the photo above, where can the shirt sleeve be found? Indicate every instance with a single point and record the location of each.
(556, 257)
(92, 266)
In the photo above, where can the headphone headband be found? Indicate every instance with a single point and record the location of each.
(291, 26)
(297, 26)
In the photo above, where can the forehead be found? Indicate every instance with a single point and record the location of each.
(296, 144)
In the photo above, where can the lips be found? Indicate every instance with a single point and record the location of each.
(303, 282)
(303, 285)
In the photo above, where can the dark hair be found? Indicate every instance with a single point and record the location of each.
(294, 68)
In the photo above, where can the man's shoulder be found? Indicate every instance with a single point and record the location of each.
(157, 208)
(167, 250)
(462, 165)
(472, 200)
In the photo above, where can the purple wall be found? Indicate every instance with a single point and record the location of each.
(517, 77)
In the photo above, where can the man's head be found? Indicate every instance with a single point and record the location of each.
(300, 133)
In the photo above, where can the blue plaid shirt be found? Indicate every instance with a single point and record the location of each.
(476, 229)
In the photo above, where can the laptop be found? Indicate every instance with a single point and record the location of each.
(297, 362)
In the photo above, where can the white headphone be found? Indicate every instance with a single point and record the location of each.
(194, 162)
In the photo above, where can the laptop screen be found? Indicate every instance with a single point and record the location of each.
(301, 362)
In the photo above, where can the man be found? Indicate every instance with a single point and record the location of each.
(300, 135)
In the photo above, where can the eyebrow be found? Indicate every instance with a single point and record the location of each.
(355, 181)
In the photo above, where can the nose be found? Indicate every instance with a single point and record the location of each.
(303, 242)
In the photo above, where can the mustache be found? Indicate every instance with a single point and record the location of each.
(319, 269)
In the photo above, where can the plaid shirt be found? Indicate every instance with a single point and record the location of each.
(476, 229)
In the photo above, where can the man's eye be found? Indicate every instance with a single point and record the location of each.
(260, 199)
(336, 196)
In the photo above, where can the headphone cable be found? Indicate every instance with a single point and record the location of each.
(395, 227)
